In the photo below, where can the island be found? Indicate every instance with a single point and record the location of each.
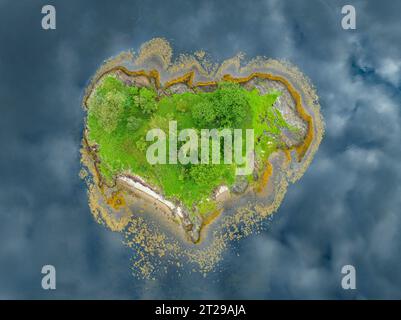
(191, 137)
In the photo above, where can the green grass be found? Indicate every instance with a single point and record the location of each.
(119, 117)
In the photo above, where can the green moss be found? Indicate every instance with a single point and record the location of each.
(119, 116)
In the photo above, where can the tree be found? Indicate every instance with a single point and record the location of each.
(147, 101)
(204, 114)
(109, 109)
(132, 98)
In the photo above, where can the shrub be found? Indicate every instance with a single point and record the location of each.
(133, 124)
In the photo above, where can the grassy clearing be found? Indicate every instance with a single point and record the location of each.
(119, 116)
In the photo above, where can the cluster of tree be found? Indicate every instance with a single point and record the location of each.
(114, 101)
(226, 107)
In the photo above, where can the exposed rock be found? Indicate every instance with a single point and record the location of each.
(240, 185)
(179, 88)
(194, 233)
(222, 193)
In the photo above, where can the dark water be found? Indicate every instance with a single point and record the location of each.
(345, 210)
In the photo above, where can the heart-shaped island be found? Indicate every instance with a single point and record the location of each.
(192, 140)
